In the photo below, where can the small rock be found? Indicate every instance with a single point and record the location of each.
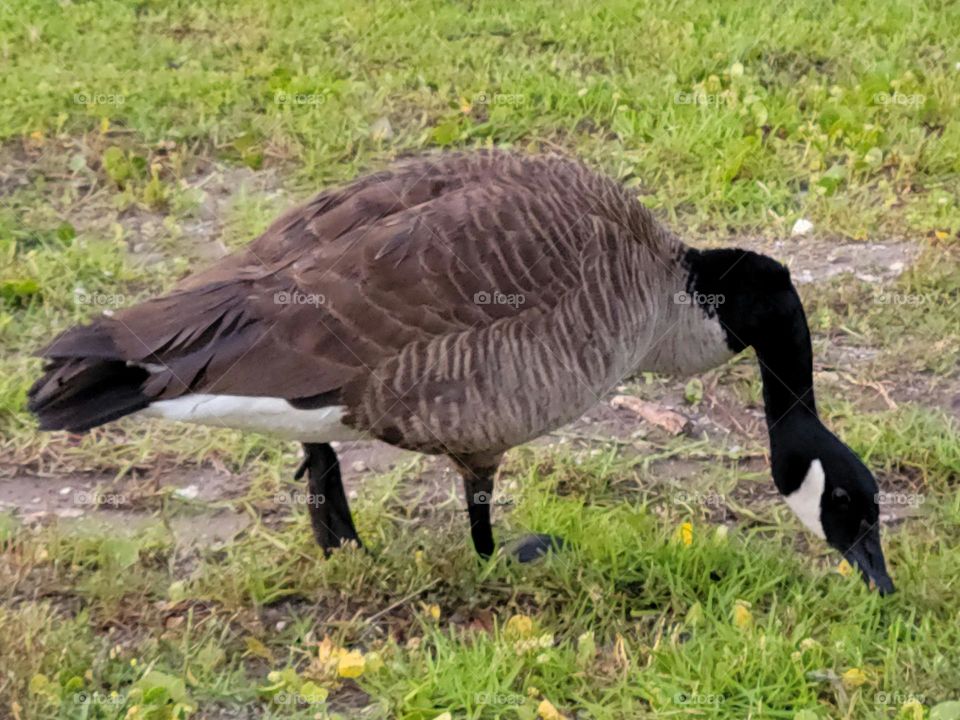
(68, 512)
(358, 466)
(801, 227)
(189, 492)
(65, 490)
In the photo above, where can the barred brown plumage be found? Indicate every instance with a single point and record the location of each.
(453, 275)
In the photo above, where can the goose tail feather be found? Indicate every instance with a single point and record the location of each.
(85, 382)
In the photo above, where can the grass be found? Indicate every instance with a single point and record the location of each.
(139, 140)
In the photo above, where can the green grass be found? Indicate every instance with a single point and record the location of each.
(841, 112)
(136, 137)
(629, 621)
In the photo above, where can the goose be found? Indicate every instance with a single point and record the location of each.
(461, 303)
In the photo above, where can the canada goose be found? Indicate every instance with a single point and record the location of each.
(461, 304)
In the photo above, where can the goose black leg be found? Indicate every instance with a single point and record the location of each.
(478, 487)
(326, 500)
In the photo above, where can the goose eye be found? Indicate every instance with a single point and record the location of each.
(841, 495)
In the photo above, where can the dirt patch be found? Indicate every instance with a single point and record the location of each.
(124, 506)
(72, 494)
(814, 260)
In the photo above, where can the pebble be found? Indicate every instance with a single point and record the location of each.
(801, 227)
(187, 493)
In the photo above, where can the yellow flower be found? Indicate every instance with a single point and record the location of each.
(351, 664)
(546, 711)
(844, 568)
(325, 650)
(434, 611)
(853, 678)
(684, 534)
(519, 626)
(742, 617)
(912, 709)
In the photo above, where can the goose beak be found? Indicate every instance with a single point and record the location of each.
(867, 554)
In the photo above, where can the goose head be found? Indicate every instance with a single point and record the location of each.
(822, 480)
(834, 495)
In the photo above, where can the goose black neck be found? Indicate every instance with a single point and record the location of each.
(757, 305)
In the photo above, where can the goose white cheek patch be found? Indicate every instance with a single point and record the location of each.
(805, 500)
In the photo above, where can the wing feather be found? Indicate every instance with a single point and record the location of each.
(336, 287)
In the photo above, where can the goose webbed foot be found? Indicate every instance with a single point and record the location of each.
(326, 500)
(478, 476)
(534, 546)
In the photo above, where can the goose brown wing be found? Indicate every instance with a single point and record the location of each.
(321, 300)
